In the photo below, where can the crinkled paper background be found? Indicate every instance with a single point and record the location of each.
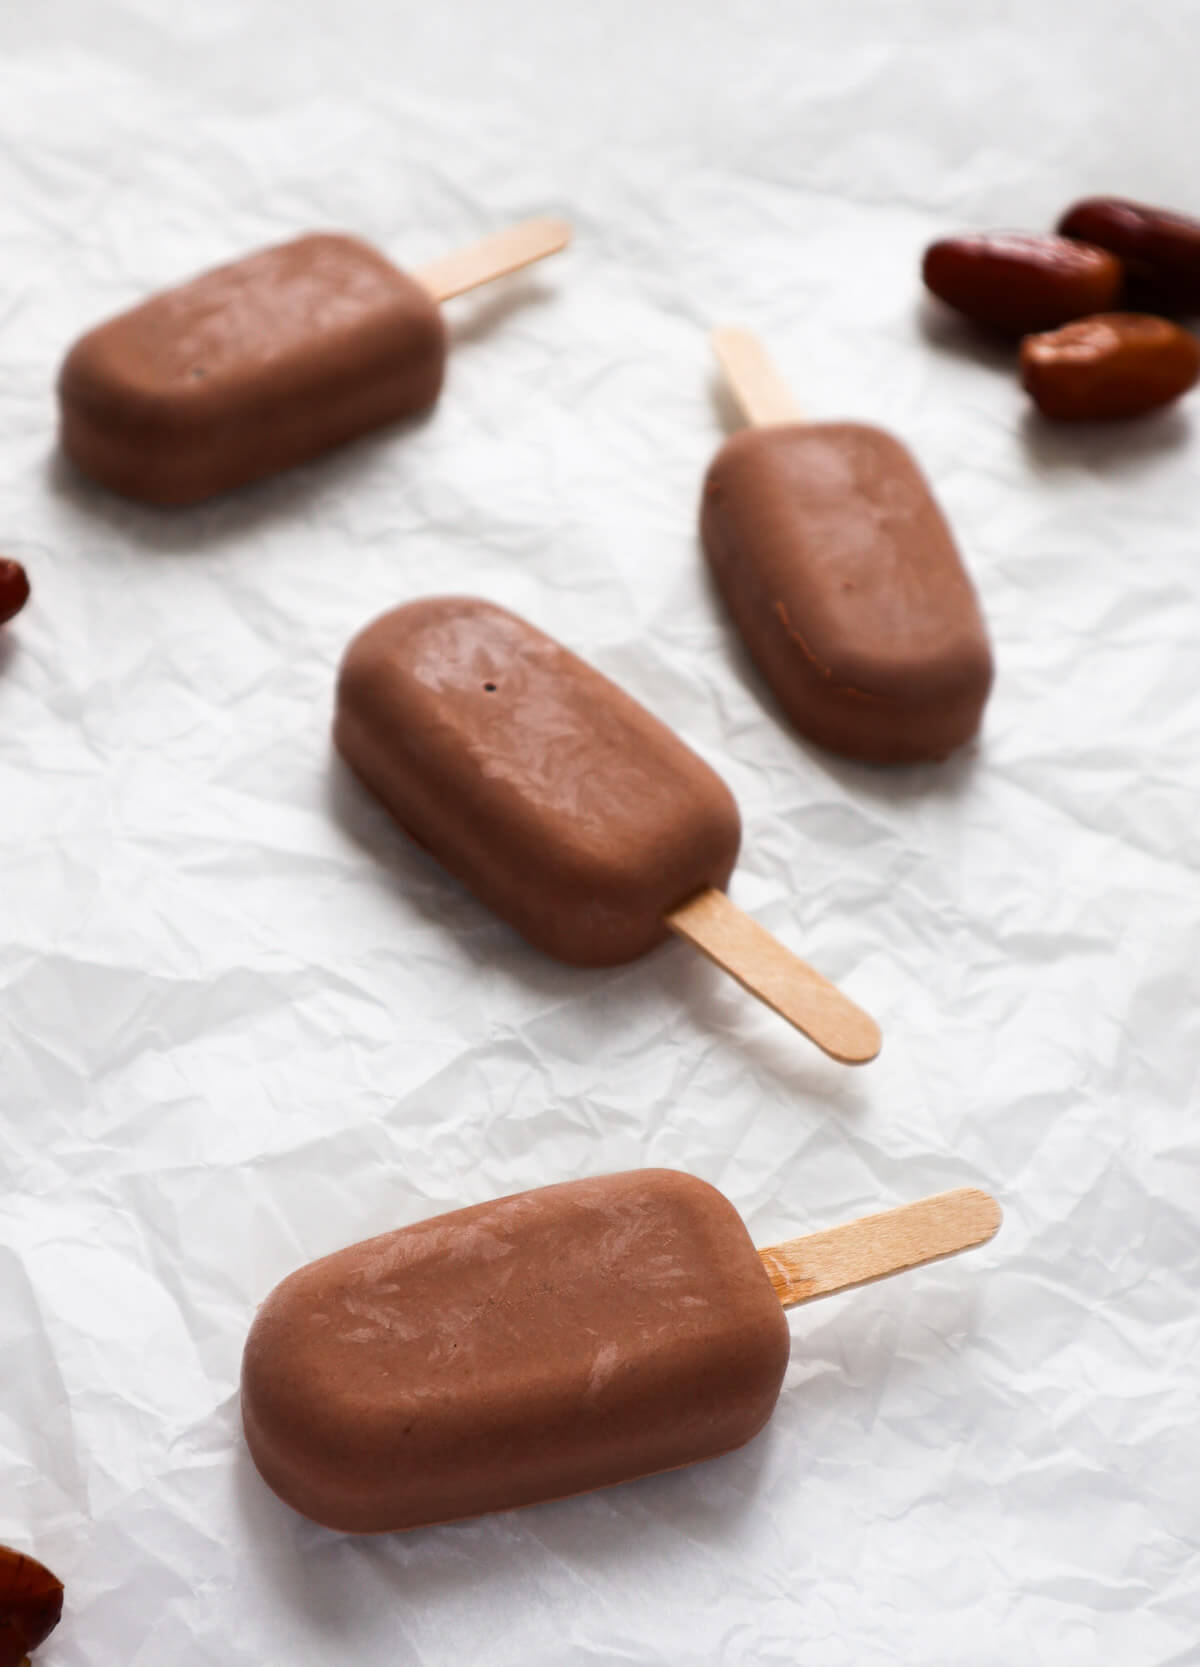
(244, 1023)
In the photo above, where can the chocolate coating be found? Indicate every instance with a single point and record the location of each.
(518, 1351)
(844, 580)
(250, 369)
(550, 793)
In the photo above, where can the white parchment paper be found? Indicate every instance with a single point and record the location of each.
(244, 1023)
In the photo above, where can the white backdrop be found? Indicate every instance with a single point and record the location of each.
(244, 1023)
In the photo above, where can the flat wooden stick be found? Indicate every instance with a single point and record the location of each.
(494, 257)
(762, 394)
(760, 963)
(875, 1247)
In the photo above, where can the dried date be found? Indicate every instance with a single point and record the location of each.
(1017, 282)
(31, 1602)
(14, 589)
(1111, 366)
(1161, 249)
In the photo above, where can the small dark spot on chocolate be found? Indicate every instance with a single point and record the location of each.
(490, 688)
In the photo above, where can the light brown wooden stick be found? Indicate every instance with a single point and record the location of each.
(762, 394)
(494, 257)
(760, 963)
(875, 1247)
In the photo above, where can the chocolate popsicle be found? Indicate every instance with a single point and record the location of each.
(267, 362)
(561, 803)
(842, 576)
(546, 1344)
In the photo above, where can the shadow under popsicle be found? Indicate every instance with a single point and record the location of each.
(494, 307)
(669, 973)
(232, 518)
(627, 1531)
(631, 1533)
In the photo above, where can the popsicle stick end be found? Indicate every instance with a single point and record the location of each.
(762, 394)
(495, 256)
(786, 984)
(878, 1246)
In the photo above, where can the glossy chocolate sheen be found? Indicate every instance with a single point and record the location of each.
(844, 580)
(250, 369)
(549, 792)
(523, 1350)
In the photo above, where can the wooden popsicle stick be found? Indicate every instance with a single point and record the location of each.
(760, 391)
(761, 964)
(875, 1247)
(494, 257)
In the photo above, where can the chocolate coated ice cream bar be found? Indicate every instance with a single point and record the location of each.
(560, 802)
(842, 576)
(268, 362)
(546, 1344)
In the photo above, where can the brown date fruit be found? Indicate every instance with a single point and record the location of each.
(14, 589)
(1110, 366)
(31, 1602)
(1017, 281)
(1161, 250)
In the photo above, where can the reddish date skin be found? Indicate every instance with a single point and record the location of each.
(1017, 282)
(31, 1602)
(1161, 249)
(1107, 367)
(14, 593)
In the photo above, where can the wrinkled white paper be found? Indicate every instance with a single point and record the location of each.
(245, 1023)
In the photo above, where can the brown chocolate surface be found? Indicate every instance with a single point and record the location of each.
(250, 369)
(522, 1350)
(549, 792)
(844, 580)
